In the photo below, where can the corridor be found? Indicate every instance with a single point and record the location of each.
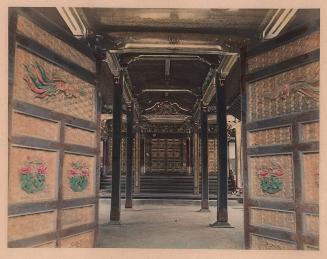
(158, 224)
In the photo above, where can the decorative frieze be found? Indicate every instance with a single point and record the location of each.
(289, 92)
(295, 48)
(31, 30)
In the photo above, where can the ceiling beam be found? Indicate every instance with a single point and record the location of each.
(173, 49)
(169, 90)
(276, 23)
(170, 57)
(243, 33)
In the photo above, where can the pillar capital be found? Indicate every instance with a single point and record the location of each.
(117, 81)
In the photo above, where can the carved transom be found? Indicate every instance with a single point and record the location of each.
(166, 108)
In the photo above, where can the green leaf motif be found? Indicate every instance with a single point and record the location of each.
(32, 183)
(271, 184)
(78, 183)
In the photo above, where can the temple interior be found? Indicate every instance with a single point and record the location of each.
(126, 120)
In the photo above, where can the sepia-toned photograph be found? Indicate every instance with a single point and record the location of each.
(165, 128)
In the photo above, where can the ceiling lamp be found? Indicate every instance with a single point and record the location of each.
(277, 23)
(73, 21)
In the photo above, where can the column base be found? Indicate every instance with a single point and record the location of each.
(136, 189)
(219, 224)
(196, 190)
(128, 203)
(204, 210)
(204, 205)
(114, 223)
(115, 215)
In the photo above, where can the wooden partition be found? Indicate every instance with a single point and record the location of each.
(53, 136)
(280, 115)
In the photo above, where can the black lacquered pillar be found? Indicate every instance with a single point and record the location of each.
(204, 159)
(116, 146)
(129, 155)
(196, 155)
(222, 184)
(105, 155)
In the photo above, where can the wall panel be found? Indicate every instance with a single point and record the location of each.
(53, 139)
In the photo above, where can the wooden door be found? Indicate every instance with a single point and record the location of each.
(53, 136)
(280, 117)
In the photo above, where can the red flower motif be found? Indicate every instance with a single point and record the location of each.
(72, 172)
(25, 170)
(263, 172)
(85, 171)
(278, 172)
(42, 169)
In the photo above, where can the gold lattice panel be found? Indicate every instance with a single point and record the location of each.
(51, 244)
(69, 95)
(280, 135)
(212, 156)
(282, 164)
(273, 218)
(289, 92)
(265, 243)
(26, 125)
(295, 48)
(58, 46)
(24, 226)
(84, 240)
(310, 131)
(79, 136)
(311, 177)
(311, 223)
(73, 217)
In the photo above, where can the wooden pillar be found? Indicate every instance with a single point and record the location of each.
(142, 157)
(137, 161)
(222, 184)
(204, 159)
(191, 155)
(150, 154)
(238, 167)
(116, 146)
(188, 159)
(129, 158)
(196, 159)
(105, 156)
